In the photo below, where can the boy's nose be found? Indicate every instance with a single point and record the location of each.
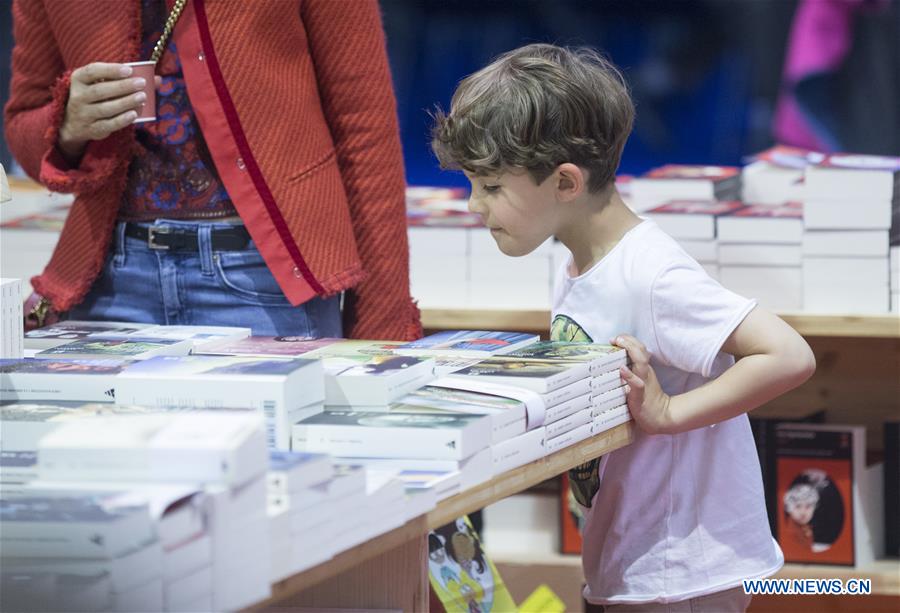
(475, 207)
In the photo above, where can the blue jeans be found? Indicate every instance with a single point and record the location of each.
(202, 287)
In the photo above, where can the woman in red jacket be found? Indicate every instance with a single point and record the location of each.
(271, 182)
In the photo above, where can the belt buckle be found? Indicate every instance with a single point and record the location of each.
(152, 231)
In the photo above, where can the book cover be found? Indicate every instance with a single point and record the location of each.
(67, 331)
(693, 172)
(814, 473)
(353, 350)
(541, 376)
(710, 208)
(268, 346)
(571, 516)
(508, 415)
(376, 381)
(133, 347)
(85, 380)
(463, 577)
(601, 358)
(468, 343)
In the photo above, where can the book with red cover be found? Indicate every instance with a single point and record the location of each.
(692, 219)
(267, 346)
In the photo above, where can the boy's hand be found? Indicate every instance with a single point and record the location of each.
(647, 402)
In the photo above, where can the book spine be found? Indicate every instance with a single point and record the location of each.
(610, 419)
(69, 387)
(571, 422)
(569, 438)
(605, 382)
(565, 409)
(519, 451)
(364, 442)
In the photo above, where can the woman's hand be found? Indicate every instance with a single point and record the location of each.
(647, 402)
(102, 99)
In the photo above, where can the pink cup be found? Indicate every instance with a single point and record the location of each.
(146, 71)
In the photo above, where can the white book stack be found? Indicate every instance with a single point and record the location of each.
(63, 332)
(385, 496)
(5, 195)
(78, 553)
(693, 224)
(519, 450)
(684, 182)
(760, 254)
(283, 390)
(498, 281)
(849, 193)
(60, 380)
(11, 319)
(239, 529)
(290, 475)
(775, 176)
(895, 279)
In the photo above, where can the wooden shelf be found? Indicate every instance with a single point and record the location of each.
(499, 487)
(864, 326)
(884, 574)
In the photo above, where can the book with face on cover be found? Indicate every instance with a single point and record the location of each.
(123, 348)
(541, 376)
(355, 434)
(284, 390)
(267, 346)
(601, 358)
(224, 447)
(63, 332)
(508, 415)
(468, 343)
(84, 380)
(376, 381)
(691, 219)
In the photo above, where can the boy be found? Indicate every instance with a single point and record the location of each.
(678, 516)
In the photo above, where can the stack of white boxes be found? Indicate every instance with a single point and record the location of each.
(11, 328)
(760, 254)
(847, 221)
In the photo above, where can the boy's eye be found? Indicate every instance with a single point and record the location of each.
(491, 188)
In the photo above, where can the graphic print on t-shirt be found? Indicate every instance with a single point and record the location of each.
(584, 480)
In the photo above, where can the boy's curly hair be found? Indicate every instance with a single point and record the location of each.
(535, 108)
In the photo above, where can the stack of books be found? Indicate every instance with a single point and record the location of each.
(760, 254)
(283, 390)
(11, 319)
(68, 380)
(775, 176)
(684, 182)
(848, 213)
(693, 223)
(141, 347)
(291, 505)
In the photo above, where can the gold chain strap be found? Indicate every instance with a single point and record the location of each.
(167, 30)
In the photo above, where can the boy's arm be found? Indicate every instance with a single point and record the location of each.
(771, 360)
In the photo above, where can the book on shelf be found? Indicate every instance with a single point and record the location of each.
(830, 503)
(392, 435)
(763, 223)
(284, 390)
(845, 243)
(198, 447)
(684, 182)
(85, 380)
(507, 415)
(691, 219)
(130, 348)
(11, 319)
(72, 527)
(468, 343)
(822, 214)
(290, 471)
(599, 357)
(775, 175)
(267, 346)
(70, 330)
(756, 254)
(541, 376)
(854, 177)
(518, 451)
(377, 381)
(864, 285)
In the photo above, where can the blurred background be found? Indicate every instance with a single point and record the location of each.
(708, 76)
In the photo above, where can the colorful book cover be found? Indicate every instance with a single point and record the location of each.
(814, 471)
(462, 577)
(470, 341)
(448, 399)
(383, 365)
(73, 330)
(682, 171)
(571, 516)
(62, 367)
(372, 419)
(790, 210)
(120, 347)
(274, 346)
(697, 207)
(358, 350)
(193, 365)
(562, 350)
(527, 368)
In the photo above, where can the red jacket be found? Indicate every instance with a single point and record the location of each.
(295, 102)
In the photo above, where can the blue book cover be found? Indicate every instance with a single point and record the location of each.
(477, 341)
(288, 460)
(216, 365)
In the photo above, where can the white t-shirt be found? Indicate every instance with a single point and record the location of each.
(676, 516)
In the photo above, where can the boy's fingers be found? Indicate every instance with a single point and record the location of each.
(639, 355)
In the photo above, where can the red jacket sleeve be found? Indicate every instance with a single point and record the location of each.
(34, 113)
(348, 51)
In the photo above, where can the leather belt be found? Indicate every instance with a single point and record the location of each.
(169, 238)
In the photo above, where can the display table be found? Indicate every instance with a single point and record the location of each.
(391, 571)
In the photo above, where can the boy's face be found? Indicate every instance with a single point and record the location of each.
(520, 214)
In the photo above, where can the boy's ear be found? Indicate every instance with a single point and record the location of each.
(571, 181)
